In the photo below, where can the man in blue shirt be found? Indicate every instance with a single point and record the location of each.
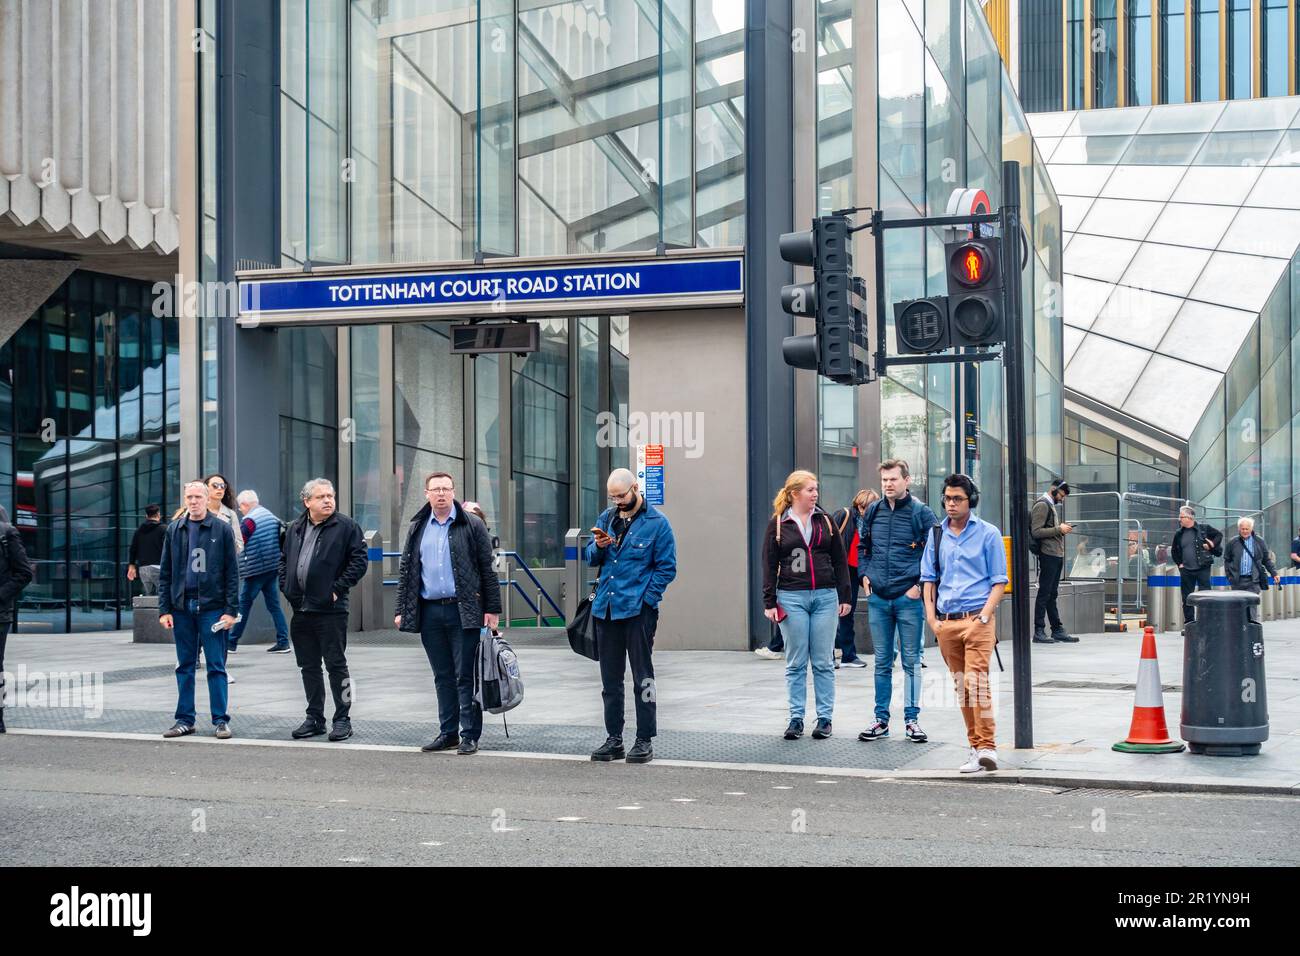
(448, 592)
(964, 582)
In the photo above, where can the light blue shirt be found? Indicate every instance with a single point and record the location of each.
(973, 563)
(436, 578)
(1247, 556)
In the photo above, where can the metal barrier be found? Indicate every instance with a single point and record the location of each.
(509, 585)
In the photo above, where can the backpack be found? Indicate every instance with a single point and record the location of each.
(498, 686)
(864, 528)
(1036, 544)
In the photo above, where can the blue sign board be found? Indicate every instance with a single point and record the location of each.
(654, 484)
(660, 278)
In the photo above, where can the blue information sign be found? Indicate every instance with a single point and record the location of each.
(654, 484)
(661, 278)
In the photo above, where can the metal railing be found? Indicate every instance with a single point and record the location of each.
(509, 585)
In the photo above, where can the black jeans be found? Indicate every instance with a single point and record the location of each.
(1049, 583)
(1189, 581)
(845, 639)
(451, 648)
(630, 639)
(4, 636)
(321, 637)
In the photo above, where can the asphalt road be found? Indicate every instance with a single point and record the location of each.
(86, 801)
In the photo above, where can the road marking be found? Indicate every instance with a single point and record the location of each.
(939, 777)
(568, 819)
(431, 843)
(783, 788)
(683, 799)
(629, 808)
(733, 793)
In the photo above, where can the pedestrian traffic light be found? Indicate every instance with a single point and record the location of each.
(974, 293)
(921, 325)
(837, 347)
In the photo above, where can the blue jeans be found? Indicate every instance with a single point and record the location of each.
(906, 616)
(193, 628)
(845, 639)
(266, 584)
(450, 649)
(809, 632)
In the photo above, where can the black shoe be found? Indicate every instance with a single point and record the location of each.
(179, 729)
(441, 742)
(611, 749)
(232, 647)
(278, 649)
(1060, 636)
(341, 730)
(1040, 636)
(2, 720)
(822, 730)
(641, 751)
(794, 730)
(308, 728)
(467, 747)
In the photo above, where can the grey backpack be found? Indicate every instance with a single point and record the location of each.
(498, 686)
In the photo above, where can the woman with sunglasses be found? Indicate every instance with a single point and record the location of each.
(221, 501)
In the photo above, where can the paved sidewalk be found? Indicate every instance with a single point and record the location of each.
(715, 707)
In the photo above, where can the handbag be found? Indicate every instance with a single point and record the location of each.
(582, 629)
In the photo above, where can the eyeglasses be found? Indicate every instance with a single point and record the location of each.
(217, 484)
(619, 497)
(950, 500)
(442, 491)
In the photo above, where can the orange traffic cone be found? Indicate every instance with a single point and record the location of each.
(1148, 733)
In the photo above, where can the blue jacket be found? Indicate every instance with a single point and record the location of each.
(890, 544)
(219, 578)
(262, 548)
(639, 571)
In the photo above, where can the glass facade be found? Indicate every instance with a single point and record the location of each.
(1178, 220)
(89, 435)
(437, 130)
(948, 117)
(1139, 53)
(1240, 456)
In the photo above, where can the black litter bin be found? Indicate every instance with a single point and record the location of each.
(1225, 709)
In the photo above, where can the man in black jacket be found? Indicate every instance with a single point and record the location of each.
(1246, 561)
(145, 554)
(448, 592)
(1194, 549)
(323, 559)
(198, 598)
(15, 574)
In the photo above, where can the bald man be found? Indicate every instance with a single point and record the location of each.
(632, 545)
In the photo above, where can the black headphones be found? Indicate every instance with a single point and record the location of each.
(1060, 484)
(966, 484)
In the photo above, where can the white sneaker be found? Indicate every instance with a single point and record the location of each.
(988, 759)
(972, 765)
(768, 654)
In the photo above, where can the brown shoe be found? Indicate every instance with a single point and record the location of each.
(179, 729)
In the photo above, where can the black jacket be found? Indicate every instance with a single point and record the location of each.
(1263, 563)
(477, 589)
(826, 567)
(1203, 533)
(219, 579)
(15, 570)
(338, 563)
(146, 544)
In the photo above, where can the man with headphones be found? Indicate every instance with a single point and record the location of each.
(1047, 542)
(964, 575)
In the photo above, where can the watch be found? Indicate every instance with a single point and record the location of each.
(983, 620)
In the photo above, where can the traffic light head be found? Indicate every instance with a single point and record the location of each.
(974, 293)
(921, 326)
(971, 265)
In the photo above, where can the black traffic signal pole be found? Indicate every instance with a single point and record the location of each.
(1013, 361)
(1012, 355)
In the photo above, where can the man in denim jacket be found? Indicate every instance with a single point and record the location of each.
(633, 547)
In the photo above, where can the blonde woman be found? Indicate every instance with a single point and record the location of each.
(805, 591)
